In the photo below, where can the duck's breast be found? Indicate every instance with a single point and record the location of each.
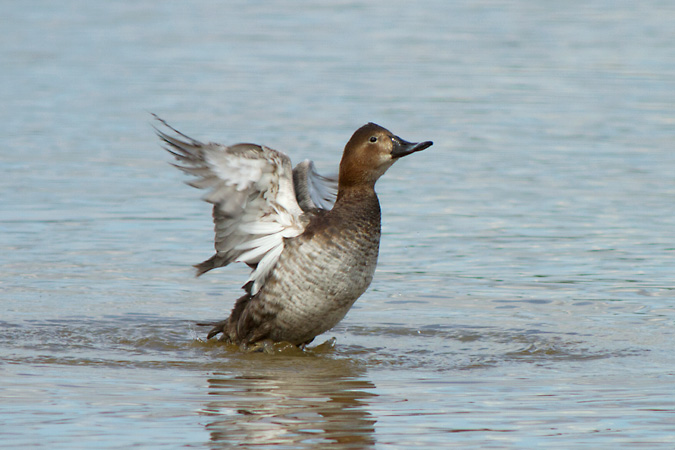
(321, 274)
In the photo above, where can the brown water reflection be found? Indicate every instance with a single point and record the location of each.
(299, 401)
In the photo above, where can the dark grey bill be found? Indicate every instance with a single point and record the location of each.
(403, 148)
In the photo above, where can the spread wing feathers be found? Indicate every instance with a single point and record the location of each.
(312, 189)
(254, 203)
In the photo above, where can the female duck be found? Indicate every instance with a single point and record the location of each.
(312, 252)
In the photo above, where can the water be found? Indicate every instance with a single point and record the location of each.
(524, 295)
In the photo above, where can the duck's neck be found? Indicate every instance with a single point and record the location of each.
(358, 202)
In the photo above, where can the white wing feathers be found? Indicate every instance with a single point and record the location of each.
(254, 202)
(312, 189)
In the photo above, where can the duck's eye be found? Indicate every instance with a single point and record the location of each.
(373, 139)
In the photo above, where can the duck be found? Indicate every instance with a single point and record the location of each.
(311, 241)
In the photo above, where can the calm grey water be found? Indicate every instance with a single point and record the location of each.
(524, 296)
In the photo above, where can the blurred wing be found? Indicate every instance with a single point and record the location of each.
(254, 204)
(312, 189)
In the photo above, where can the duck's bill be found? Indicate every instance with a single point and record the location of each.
(404, 148)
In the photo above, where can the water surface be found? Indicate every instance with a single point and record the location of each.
(524, 295)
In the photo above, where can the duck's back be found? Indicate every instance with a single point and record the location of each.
(318, 277)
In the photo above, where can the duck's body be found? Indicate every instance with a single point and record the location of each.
(310, 262)
(317, 279)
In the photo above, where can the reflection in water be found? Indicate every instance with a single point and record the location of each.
(300, 401)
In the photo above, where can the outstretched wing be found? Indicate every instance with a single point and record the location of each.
(254, 203)
(312, 189)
